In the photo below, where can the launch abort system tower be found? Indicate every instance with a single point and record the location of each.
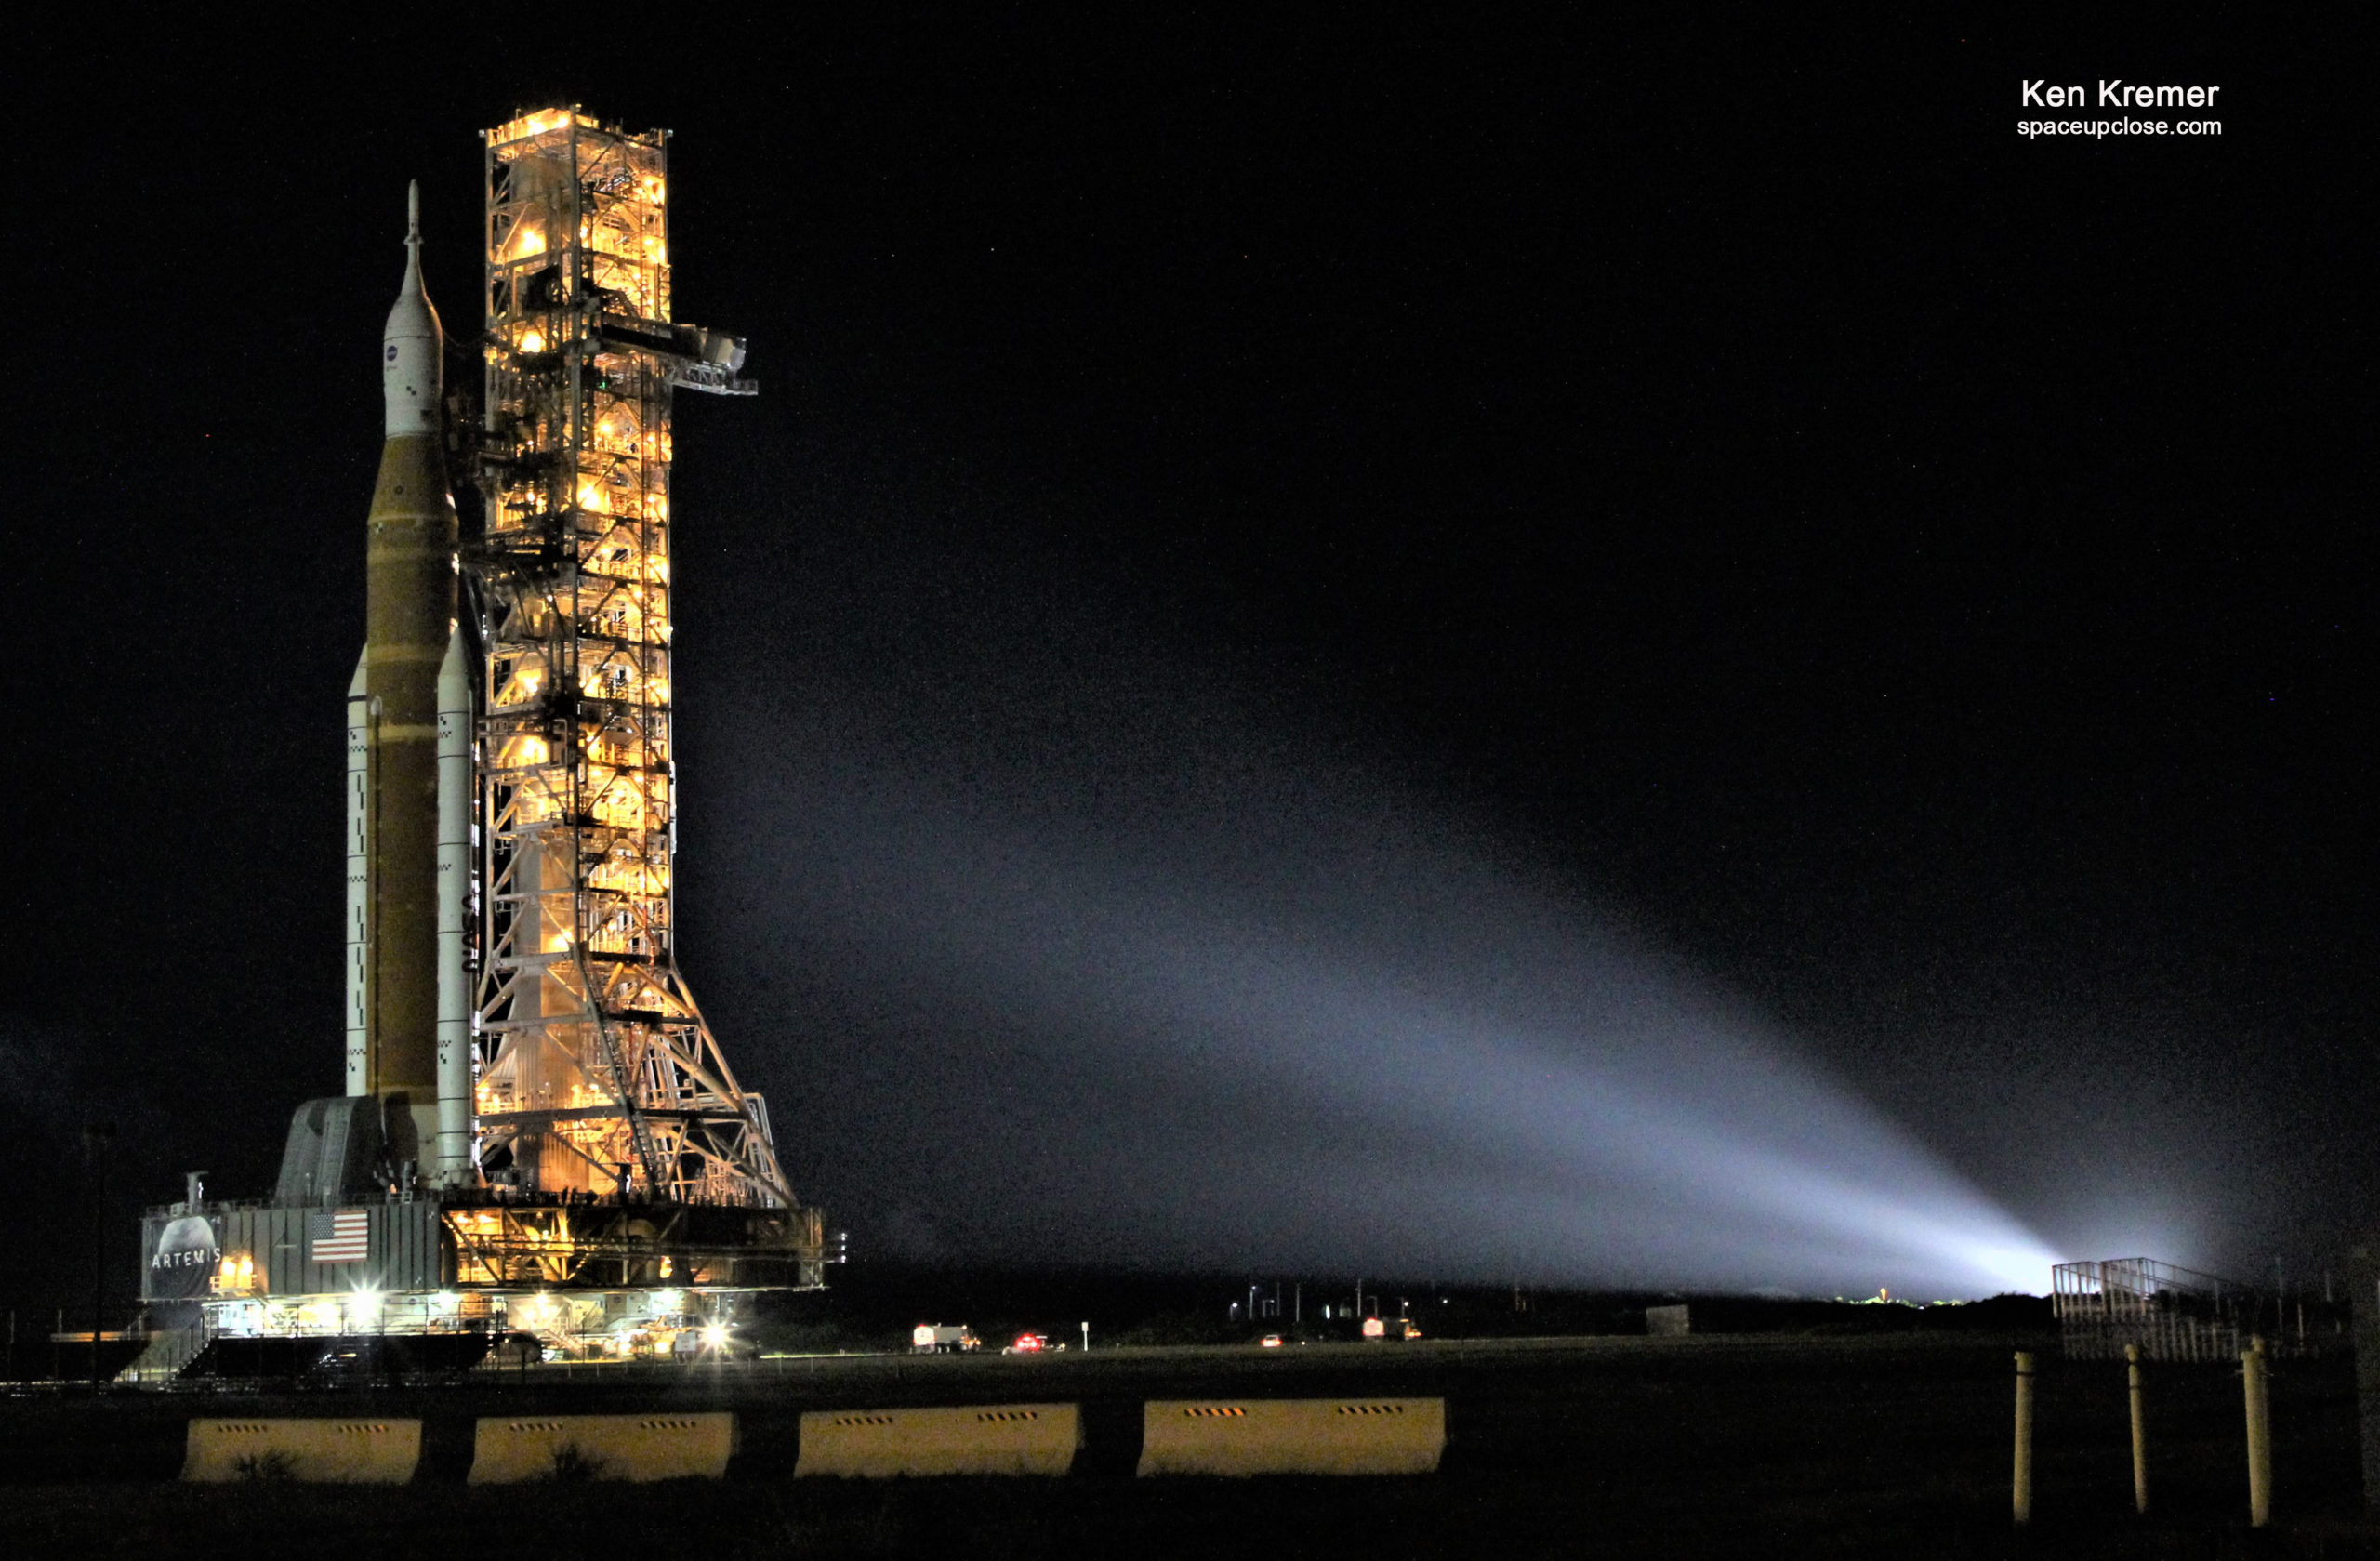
(540, 1132)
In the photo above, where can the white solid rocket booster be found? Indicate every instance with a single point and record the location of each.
(359, 877)
(451, 1158)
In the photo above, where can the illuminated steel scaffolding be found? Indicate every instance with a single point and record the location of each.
(596, 1073)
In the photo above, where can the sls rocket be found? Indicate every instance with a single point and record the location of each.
(409, 772)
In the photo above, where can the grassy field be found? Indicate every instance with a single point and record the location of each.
(1620, 1447)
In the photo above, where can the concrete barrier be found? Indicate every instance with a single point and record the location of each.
(318, 1451)
(1293, 1436)
(509, 1451)
(973, 1440)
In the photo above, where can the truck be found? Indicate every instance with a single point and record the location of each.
(933, 1338)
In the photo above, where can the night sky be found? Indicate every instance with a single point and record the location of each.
(1441, 513)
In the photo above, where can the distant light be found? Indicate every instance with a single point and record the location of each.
(715, 1335)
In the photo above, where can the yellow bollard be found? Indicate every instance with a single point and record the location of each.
(2139, 1433)
(2024, 1492)
(2253, 1380)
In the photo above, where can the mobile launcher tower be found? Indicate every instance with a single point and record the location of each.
(539, 1132)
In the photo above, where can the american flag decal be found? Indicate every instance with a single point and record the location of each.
(341, 1236)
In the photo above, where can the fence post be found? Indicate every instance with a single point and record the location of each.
(2139, 1432)
(2024, 1481)
(2253, 1382)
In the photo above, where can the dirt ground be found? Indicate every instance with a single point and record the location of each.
(1708, 1446)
